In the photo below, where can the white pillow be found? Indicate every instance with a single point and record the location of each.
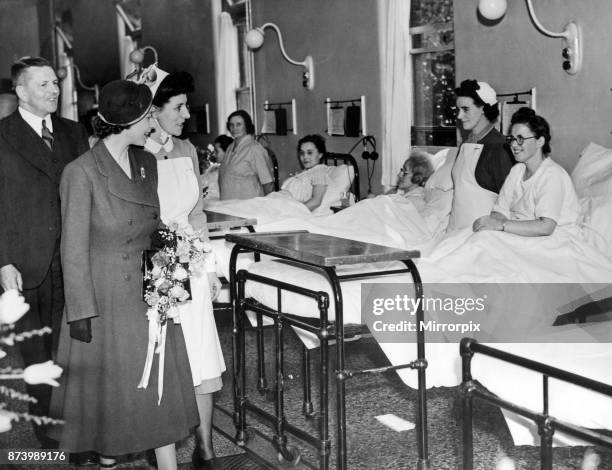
(438, 159)
(340, 180)
(441, 178)
(592, 176)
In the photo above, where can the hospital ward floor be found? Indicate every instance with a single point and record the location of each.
(370, 444)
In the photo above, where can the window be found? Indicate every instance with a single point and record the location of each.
(433, 59)
(239, 10)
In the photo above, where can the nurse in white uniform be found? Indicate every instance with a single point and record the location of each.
(181, 202)
(483, 160)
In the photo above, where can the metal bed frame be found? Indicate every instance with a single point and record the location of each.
(346, 159)
(325, 330)
(547, 425)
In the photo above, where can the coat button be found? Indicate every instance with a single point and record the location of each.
(154, 215)
(127, 277)
(125, 256)
(55, 160)
(129, 240)
(51, 229)
(131, 222)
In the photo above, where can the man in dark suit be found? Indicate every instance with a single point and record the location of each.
(35, 146)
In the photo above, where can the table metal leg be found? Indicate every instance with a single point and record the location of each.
(340, 377)
(234, 304)
(241, 434)
(325, 447)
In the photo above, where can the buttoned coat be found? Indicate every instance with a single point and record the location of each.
(29, 198)
(107, 219)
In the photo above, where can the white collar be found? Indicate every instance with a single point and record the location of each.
(155, 147)
(34, 121)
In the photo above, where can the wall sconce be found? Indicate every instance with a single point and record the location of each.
(255, 38)
(571, 35)
(62, 73)
(137, 56)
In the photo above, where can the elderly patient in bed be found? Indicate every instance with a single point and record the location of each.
(412, 177)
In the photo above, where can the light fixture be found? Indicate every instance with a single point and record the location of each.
(571, 35)
(137, 56)
(62, 73)
(255, 38)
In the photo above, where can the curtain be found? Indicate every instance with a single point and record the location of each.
(68, 93)
(126, 46)
(396, 85)
(227, 71)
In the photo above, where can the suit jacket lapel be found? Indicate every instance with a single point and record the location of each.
(29, 145)
(62, 140)
(139, 190)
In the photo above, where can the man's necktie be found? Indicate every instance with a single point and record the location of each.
(47, 135)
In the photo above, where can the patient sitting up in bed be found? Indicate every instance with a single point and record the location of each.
(414, 173)
(538, 194)
(309, 185)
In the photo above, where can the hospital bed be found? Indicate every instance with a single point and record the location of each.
(594, 187)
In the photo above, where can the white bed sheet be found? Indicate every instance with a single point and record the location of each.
(502, 258)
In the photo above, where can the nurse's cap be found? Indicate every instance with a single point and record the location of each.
(486, 93)
(152, 76)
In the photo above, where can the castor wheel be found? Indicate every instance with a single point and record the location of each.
(243, 437)
(289, 454)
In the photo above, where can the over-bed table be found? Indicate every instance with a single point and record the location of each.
(322, 253)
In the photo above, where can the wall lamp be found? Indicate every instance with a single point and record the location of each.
(62, 73)
(571, 35)
(255, 38)
(137, 56)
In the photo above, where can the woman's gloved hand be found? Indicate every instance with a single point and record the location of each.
(81, 330)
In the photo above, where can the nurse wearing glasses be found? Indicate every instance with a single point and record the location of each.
(538, 196)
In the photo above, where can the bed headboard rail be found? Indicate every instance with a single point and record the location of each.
(336, 159)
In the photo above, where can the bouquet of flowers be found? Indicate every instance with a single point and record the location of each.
(175, 254)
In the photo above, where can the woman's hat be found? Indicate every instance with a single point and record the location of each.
(123, 103)
(486, 93)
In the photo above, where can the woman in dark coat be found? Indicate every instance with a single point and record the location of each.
(109, 209)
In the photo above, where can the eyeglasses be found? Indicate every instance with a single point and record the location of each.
(403, 171)
(520, 140)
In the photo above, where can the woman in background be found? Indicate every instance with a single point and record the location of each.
(181, 203)
(484, 160)
(245, 172)
(109, 210)
(309, 185)
(222, 143)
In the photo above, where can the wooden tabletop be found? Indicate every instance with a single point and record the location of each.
(218, 221)
(317, 249)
